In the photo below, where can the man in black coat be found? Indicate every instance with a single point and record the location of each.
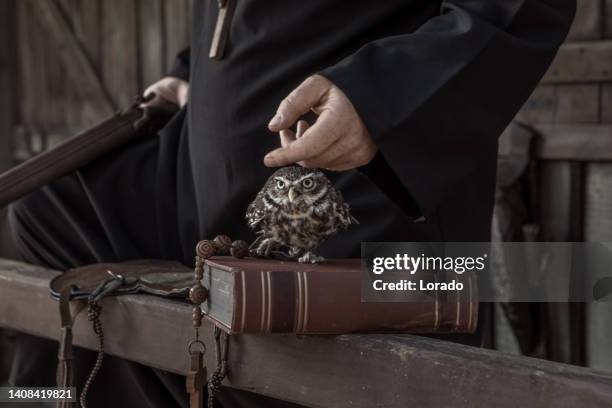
(406, 101)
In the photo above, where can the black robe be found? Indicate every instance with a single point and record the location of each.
(434, 82)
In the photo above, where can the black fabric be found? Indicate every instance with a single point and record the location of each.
(383, 176)
(435, 82)
(106, 212)
(180, 69)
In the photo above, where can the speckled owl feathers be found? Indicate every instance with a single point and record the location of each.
(297, 209)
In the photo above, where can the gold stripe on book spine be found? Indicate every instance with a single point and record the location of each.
(269, 308)
(306, 306)
(244, 303)
(262, 317)
(298, 303)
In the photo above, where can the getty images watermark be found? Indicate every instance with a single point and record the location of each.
(486, 272)
(410, 266)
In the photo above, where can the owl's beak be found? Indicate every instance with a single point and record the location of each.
(293, 193)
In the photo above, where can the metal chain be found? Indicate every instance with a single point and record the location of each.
(93, 315)
(214, 384)
(222, 244)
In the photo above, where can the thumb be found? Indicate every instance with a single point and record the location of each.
(306, 96)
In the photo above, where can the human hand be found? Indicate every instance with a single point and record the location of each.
(168, 90)
(338, 140)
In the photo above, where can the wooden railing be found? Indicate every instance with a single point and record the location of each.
(327, 371)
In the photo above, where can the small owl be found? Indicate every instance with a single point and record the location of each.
(297, 209)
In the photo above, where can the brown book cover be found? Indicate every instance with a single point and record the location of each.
(269, 296)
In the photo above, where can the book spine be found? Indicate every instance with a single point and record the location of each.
(324, 302)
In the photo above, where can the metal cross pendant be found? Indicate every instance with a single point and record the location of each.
(222, 27)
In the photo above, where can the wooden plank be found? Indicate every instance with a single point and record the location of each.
(330, 371)
(589, 21)
(564, 104)
(540, 107)
(78, 67)
(34, 80)
(55, 101)
(598, 228)
(577, 104)
(119, 52)
(574, 142)
(560, 217)
(25, 82)
(71, 105)
(7, 81)
(31, 89)
(177, 21)
(85, 21)
(86, 26)
(607, 19)
(598, 214)
(581, 62)
(606, 103)
(151, 41)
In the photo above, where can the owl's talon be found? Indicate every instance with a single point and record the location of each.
(311, 258)
(264, 248)
(282, 256)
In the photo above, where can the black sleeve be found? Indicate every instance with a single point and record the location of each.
(379, 173)
(436, 100)
(180, 69)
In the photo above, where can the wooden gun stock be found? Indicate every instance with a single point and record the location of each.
(81, 149)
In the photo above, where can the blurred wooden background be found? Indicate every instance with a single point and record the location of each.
(70, 63)
(66, 64)
(573, 108)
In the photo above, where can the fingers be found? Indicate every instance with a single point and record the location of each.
(182, 93)
(343, 151)
(359, 157)
(162, 95)
(338, 140)
(342, 154)
(307, 95)
(287, 137)
(168, 90)
(313, 142)
(302, 127)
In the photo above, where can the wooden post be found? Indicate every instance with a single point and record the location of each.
(79, 68)
(7, 81)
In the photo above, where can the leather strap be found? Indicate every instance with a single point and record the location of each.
(196, 380)
(64, 375)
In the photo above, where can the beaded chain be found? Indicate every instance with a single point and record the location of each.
(221, 245)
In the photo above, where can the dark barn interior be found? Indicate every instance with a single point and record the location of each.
(65, 65)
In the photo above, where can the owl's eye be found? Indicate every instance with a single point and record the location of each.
(307, 183)
(280, 184)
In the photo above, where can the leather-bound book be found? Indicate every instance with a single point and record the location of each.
(269, 296)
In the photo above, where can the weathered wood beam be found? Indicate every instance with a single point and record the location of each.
(79, 68)
(574, 142)
(330, 371)
(589, 61)
(588, 23)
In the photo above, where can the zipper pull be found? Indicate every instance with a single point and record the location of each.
(221, 29)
